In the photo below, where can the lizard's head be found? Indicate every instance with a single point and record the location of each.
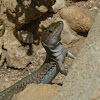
(52, 35)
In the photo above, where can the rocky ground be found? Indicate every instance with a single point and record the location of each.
(23, 55)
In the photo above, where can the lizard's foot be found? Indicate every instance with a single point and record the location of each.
(69, 54)
(61, 68)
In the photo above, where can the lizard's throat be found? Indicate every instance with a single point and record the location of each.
(49, 46)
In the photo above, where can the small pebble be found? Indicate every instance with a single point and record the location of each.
(94, 8)
(6, 79)
(32, 67)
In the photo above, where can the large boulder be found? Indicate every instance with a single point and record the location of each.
(83, 80)
(77, 19)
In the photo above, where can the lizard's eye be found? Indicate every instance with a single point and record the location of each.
(50, 31)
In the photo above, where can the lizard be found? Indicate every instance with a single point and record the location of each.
(52, 65)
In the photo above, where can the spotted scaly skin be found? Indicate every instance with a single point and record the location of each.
(50, 68)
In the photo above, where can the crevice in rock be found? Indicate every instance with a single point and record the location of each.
(84, 34)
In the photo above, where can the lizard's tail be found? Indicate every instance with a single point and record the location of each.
(8, 93)
(4, 95)
(69, 54)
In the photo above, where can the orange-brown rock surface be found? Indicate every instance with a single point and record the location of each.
(38, 92)
(77, 19)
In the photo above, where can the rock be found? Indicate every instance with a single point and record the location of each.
(1, 21)
(77, 19)
(67, 34)
(25, 37)
(2, 57)
(42, 8)
(95, 95)
(22, 12)
(4, 84)
(19, 56)
(70, 3)
(2, 52)
(94, 8)
(37, 92)
(83, 80)
(57, 6)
